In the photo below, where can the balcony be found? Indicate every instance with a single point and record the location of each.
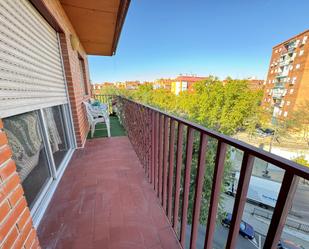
(134, 191)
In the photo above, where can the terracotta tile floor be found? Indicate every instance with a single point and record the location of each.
(104, 201)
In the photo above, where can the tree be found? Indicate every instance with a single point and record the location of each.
(222, 107)
(300, 120)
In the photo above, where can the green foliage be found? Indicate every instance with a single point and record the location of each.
(301, 160)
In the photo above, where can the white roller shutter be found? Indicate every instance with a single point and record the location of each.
(31, 74)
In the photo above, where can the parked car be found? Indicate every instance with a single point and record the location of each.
(246, 230)
(286, 244)
(265, 132)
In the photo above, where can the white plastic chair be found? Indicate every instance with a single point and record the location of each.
(97, 114)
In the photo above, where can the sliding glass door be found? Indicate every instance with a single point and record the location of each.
(57, 133)
(40, 141)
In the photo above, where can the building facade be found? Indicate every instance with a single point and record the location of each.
(185, 83)
(287, 84)
(44, 80)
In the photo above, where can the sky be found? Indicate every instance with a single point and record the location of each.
(165, 38)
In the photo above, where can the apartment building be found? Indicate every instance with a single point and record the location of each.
(253, 83)
(185, 83)
(287, 84)
(96, 88)
(163, 84)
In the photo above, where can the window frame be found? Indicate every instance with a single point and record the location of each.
(83, 76)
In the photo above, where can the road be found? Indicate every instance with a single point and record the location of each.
(301, 199)
(220, 238)
(261, 225)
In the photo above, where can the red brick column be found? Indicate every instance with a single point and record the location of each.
(16, 228)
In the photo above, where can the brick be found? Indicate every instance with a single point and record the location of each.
(5, 154)
(11, 238)
(11, 220)
(23, 219)
(3, 139)
(30, 240)
(23, 236)
(36, 244)
(16, 195)
(7, 170)
(12, 183)
(4, 210)
(9, 186)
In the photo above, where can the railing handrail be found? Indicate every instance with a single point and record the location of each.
(278, 161)
(153, 140)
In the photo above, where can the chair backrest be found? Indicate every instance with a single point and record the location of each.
(89, 113)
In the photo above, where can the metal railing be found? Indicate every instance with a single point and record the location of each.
(106, 99)
(157, 138)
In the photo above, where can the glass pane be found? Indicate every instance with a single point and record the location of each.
(296, 229)
(57, 134)
(264, 186)
(25, 138)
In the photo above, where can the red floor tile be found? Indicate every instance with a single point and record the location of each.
(104, 201)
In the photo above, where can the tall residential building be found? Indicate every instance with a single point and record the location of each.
(287, 84)
(185, 83)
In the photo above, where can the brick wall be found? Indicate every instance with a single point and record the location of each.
(72, 71)
(16, 228)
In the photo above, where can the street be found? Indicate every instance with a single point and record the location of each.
(220, 238)
(260, 226)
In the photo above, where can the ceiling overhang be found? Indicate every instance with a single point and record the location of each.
(98, 23)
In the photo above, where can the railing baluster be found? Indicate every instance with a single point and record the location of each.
(178, 174)
(240, 199)
(153, 147)
(161, 117)
(165, 158)
(199, 182)
(186, 186)
(149, 143)
(282, 208)
(156, 152)
(171, 170)
(215, 194)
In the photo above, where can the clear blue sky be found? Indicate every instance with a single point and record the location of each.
(163, 38)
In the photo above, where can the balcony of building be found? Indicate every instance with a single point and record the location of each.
(133, 191)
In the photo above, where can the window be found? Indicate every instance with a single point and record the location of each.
(288, 103)
(297, 66)
(280, 49)
(83, 81)
(280, 112)
(294, 80)
(291, 91)
(58, 138)
(285, 114)
(305, 39)
(40, 141)
(25, 137)
(276, 51)
(301, 52)
(291, 68)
